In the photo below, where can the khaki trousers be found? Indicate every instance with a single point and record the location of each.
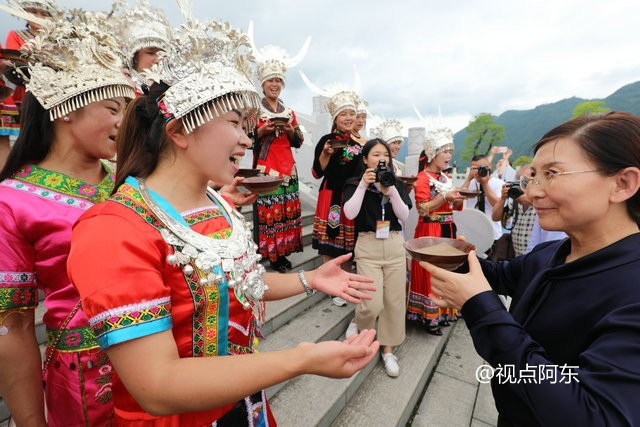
(384, 261)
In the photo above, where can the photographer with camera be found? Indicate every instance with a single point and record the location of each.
(377, 202)
(515, 206)
(490, 188)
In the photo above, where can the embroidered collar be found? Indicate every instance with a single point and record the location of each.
(61, 183)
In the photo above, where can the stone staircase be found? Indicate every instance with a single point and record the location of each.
(369, 398)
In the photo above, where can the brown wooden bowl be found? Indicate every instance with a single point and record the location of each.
(12, 55)
(408, 180)
(262, 184)
(279, 121)
(337, 144)
(247, 173)
(469, 193)
(416, 248)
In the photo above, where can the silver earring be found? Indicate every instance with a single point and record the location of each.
(66, 118)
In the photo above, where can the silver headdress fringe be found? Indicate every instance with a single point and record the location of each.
(72, 62)
(207, 67)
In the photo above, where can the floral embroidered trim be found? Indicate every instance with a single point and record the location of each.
(16, 277)
(202, 215)
(75, 339)
(23, 297)
(65, 185)
(130, 197)
(47, 194)
(104, 381)
(129, 315)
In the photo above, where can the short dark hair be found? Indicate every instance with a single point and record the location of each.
(478, 157)
(610, 140)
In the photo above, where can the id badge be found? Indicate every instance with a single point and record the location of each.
(382, 229)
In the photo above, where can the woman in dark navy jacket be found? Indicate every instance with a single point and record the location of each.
(570, 342)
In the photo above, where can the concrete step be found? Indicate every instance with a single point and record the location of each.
(321, 322)
(455, 375)
(382, 400)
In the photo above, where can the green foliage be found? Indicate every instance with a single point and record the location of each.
(482, 134)
(589, 107)
(522, 160)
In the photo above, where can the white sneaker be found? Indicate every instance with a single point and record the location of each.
(338, 301)
(391, 364)
(351, 330)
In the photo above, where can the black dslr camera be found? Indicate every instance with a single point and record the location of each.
(483, 171)
(384, 174)
(514, 191)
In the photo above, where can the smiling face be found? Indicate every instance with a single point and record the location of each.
(570, 203)
(145, 58)
(361, 121)
(93, 128)
(394, 146)
(272, 88)
(345, 120)
(378, 152)
(215, 148)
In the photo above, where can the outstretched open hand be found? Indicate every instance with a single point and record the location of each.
(337, 359)
(454, 289)
(331, 279)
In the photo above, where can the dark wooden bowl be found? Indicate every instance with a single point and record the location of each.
(408, 180)
(280, 121)
(448, 262)
(12, 55)
(337, 144)
(469, 193)
(247, 173)
(262, 184)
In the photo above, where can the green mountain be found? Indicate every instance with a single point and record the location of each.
(524, 127)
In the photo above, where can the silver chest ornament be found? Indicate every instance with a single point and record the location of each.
(234, 256)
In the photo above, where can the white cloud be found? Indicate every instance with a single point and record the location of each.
(465, 56)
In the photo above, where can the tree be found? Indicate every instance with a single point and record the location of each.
(482, 134)
(522, 160)
(589, 107)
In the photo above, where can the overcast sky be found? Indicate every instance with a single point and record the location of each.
(463, 56)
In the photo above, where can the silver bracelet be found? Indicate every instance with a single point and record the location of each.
(305, 284)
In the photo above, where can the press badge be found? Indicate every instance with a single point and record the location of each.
(382, 229)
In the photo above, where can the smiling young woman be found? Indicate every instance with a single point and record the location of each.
(166, 268)
(53, 174)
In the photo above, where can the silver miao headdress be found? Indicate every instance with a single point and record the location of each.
(207, 71)
(273, 61)
(72, 62)
(140, 26)
(48, 6)
(389, 130)
(341, 96)
(361, 106)
(438, 137)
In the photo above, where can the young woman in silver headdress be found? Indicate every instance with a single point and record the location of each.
(277, 216)
(167, 270)
(71, 113)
